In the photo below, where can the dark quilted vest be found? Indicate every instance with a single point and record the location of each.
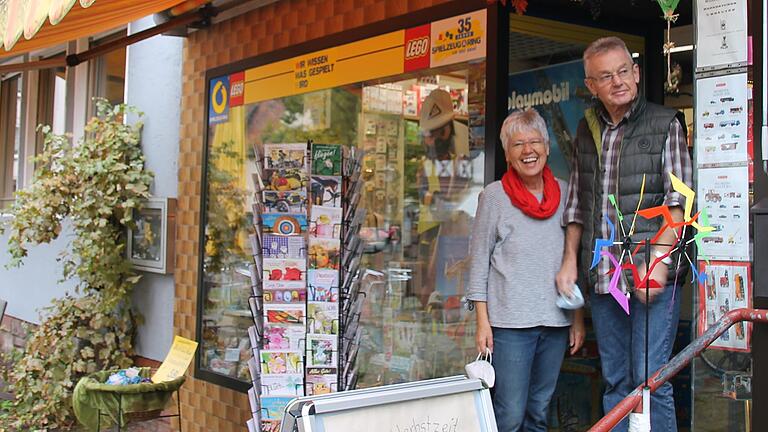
(641, 154)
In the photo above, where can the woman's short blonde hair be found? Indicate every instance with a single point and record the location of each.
(523, 121)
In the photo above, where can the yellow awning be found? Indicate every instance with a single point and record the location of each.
(44, 23)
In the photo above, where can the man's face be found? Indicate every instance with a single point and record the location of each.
(441, 133)
(439, 139)
(613, 78)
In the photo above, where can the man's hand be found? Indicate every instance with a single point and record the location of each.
(576, 336)
(566, 278)
(484, 338)
(659, 273)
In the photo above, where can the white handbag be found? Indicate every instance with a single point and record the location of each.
(482, 368)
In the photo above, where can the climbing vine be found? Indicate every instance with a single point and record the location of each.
(95, 184)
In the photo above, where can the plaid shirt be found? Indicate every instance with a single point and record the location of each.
(676, 160)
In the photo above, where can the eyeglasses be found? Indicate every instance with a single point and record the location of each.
(603, 80)
(536, 144)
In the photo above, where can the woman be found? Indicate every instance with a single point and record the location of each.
(516, 251)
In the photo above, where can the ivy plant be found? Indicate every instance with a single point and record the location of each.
(96, 185)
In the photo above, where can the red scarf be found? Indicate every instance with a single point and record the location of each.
(523, 199)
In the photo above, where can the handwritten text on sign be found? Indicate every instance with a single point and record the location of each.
(451, 413)
(177, 361)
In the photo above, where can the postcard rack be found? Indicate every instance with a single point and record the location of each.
(306, 299)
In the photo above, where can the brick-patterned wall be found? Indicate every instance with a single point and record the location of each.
(14, 333)
(205, 406)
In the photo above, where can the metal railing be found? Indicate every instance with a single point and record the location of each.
(676, 364)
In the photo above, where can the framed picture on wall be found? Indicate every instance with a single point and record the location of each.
(150, 244)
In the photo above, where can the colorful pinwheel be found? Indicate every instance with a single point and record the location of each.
(629, 248)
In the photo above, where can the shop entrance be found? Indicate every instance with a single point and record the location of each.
(424, 169)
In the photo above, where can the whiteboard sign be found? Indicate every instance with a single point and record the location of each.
(452, 404)
(441, 414)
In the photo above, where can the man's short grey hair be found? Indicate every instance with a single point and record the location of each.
(603, 45)
(523, 121)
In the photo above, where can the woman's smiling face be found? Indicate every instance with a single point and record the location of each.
(527, 153)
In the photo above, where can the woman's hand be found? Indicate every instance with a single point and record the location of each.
(484, 338)
(576, 336)
(484, 335)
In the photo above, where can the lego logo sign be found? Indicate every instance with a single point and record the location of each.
(236, 89)
(416, 46)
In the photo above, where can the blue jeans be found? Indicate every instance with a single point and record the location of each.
(527, 363)
(621, 342)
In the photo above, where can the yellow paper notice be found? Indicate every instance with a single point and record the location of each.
(177, 361)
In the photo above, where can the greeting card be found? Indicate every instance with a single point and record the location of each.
(285, 156)
(325, 190)
(323, 285)
(279, 246)
(280, 362)
(284, 224)
(324, 253)
(321, 350)
(323, 318)
(326, 159)
(325, 222)
(284, 337)
(272, 408)
(284, 314)
(282, 385)
(274, 295)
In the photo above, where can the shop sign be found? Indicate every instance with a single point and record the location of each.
(236, 89)
(218, 107)
(417, 48)
(453, 40)
(345, 64)
(458, 39)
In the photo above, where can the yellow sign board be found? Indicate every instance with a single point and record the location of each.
(177, 361)
(345, 64)
(458, 39)
(454, 40)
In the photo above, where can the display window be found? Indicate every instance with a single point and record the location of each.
(414, 101)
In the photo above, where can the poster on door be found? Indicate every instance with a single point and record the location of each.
(727, 286)
(721, 120)
(724, 194)
(721, 33)
(558, 93)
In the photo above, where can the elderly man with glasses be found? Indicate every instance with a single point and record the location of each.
(621, 143)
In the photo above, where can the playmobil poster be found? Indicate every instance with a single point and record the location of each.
(558, 93)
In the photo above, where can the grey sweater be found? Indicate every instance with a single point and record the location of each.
(514, 260)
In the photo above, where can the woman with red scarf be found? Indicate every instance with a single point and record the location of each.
(516, 250)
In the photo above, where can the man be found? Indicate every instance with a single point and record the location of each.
(620, 140)
(447, 146)
(444, 179)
